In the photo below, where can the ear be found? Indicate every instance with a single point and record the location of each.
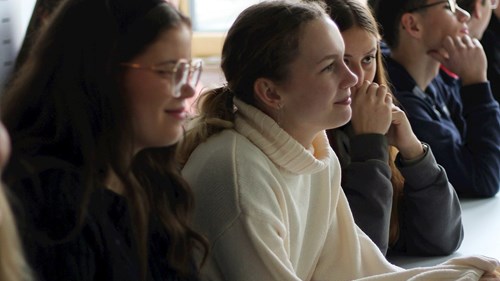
(411, 24)
(477, 9)
(265, 92)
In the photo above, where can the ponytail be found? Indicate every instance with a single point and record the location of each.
(216, 113)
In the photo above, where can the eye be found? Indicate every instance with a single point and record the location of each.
(346, 61)
(162, 70)
(368, 59)
(329, 68)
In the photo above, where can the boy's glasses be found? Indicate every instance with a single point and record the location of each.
(452, 6)
(182, 72)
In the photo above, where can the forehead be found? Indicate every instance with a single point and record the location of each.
(171, 43)
(358, 38)
(320, 38)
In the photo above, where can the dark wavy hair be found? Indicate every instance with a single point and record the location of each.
(66, 101)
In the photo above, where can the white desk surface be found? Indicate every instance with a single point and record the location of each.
(481, 220)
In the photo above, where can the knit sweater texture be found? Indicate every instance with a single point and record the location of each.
(274, 210)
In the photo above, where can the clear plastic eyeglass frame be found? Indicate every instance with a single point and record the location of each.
(182, 72)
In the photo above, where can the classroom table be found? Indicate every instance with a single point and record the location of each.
(481, 220)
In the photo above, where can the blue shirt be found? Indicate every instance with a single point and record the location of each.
(461, 124)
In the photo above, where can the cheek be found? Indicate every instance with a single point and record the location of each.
(370, 73)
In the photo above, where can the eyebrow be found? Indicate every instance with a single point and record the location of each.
(167, 62)
(367, 53)
(328, 57)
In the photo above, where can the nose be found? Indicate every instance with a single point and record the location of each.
(462, 15)
(187, 91)
(351, 79)
(357, 70)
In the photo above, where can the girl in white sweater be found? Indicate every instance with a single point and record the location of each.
(266, 182)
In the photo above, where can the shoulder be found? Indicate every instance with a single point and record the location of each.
(222, 154)
(46, 192)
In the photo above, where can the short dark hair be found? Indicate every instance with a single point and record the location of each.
(388, 13)
(469, 5)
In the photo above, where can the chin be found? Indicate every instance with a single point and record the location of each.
(174, 138)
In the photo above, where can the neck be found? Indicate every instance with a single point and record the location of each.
(414, 58)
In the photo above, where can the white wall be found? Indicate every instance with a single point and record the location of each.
(14, 18)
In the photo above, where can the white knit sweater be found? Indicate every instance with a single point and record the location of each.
(274, 210)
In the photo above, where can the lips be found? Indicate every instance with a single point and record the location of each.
(180, 113)
(345, 101)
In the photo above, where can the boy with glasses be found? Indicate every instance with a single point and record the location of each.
(456, 116)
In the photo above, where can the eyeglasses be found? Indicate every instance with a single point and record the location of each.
(183, 72)
(452, 6)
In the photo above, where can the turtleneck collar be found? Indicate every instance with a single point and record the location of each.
(278, 145)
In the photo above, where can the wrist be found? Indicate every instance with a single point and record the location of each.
(473, 80)
(414, 153)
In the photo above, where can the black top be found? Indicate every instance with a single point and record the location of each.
(491, 45)
(48, 200)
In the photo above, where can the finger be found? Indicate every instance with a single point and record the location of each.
(363, 88)
(467, 41)
(477, 43)
(441, 55)
(449, 43)
(372, 90)
(398, 117)
(459, 42)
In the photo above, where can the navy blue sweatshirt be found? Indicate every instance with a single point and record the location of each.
(460, 123)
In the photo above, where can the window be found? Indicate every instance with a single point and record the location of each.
(211, 20)
(14, 18)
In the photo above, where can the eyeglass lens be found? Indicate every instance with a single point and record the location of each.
(187, 73)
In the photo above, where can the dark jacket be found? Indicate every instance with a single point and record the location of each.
(491, 45)
(429, 213)
(461, 124)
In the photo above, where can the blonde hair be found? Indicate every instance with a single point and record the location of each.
(13, 266)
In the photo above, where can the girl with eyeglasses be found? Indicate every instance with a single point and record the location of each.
(95, 114)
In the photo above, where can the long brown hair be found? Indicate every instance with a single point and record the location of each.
(66, 101)
(352, 13)
(262, 42)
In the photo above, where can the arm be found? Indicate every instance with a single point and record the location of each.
(472, 161)
(366, 178)
(366, 182)
(430, 215)
(471, 158)
(46, 205)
